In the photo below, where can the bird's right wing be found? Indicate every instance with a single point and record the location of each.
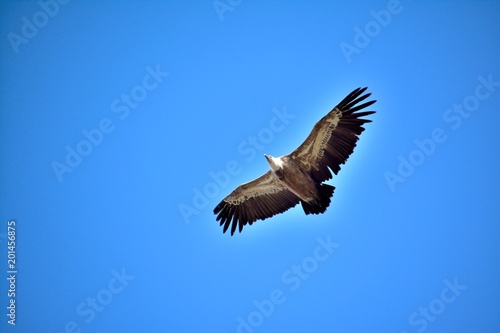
(256, 200)
(334, 137)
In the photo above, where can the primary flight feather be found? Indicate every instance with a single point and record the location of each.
(299, 176)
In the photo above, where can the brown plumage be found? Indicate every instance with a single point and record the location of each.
(299, 176)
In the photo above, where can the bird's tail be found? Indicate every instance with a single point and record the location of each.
(325, 193)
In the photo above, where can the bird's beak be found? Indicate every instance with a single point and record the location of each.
(266, 156)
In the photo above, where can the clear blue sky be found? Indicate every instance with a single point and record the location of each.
(124, 123)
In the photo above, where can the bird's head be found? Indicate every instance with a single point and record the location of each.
(274, 162)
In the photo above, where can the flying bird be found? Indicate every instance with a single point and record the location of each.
(299, 176)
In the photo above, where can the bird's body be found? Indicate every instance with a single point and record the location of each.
(298, 182)
(291, 176)
(299, 176)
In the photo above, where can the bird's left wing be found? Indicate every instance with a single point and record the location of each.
(256, 200)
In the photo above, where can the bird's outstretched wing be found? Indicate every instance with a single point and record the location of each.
(256, 200)
(334, 137)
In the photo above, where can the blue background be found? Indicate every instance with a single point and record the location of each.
(131, 207)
